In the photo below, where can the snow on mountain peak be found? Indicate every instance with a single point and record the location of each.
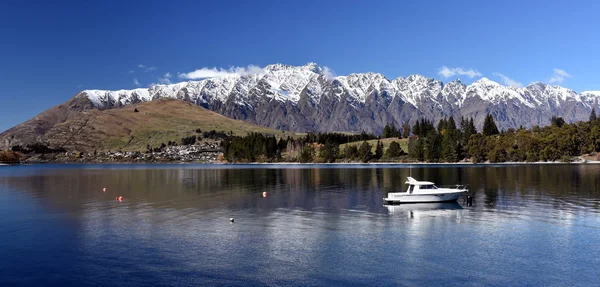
(313, 67)
(486, 82)
(277, 67)
(287, 83)
(592, 93)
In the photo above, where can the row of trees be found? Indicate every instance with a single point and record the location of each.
(390, 131)
(38, 147)
(310, 148)
(251, 148)
(446, 143)
(558, 142)
(322, 147)
(364, 152)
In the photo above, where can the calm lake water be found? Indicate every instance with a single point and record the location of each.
(529, 225)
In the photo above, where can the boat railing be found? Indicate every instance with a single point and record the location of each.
(454, 186)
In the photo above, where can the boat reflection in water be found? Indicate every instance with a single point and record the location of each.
(445, 209)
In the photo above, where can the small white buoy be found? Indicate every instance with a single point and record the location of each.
(104, 189)
(264, 194)
(231, 220)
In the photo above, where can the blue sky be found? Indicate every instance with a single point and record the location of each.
(50, 51)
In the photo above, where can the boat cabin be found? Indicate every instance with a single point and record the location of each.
(416, 186)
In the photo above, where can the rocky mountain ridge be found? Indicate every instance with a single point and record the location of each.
(307, 98)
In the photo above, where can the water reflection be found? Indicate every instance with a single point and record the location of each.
(402, 208)
(559, 185)
(317, 226)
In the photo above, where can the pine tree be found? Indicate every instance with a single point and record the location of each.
(416, 149)
(330, 152)
(379, 150)
(442, 124)
(271, 147)
(393, 150)
(364, 152)
(451, 124)
(449, 148)
(489, 126)
(350, 151)
(386, 131)
(306, 154)
(467, 127)
(463, 123)
(593, 115)
(417, 129)
(477, 148)
(394, 131)
(432, 146)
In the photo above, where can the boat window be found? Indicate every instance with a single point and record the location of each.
(410, 189)
(429, 186)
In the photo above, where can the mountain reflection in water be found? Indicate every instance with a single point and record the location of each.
(318, 225)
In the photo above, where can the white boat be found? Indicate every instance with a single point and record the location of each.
(425, 191)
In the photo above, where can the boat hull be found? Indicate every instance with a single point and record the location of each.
(419, 198)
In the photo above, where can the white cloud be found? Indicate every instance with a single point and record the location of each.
(136, 82)
(146, 68)
(131, 71)
(220, 72)
(558, 76)
(166, 79)
(447, 72)
(329, 73)
(508, 81)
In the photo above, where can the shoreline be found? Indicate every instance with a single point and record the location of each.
(580, 162)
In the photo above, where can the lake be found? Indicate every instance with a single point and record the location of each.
(319, 225)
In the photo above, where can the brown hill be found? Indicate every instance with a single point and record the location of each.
(76, 125)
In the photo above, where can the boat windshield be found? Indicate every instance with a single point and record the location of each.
(429, 186)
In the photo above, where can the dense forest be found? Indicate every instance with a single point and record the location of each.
(310, 148)
(427, 142)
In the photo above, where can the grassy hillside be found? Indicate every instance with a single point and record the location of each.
(386, 143)
(156, 122)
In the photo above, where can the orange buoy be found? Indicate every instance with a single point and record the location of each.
(119, 198)
(264, 194)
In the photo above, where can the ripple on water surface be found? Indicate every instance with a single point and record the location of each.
(318, 225)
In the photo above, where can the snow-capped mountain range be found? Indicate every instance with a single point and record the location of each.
(307, 98)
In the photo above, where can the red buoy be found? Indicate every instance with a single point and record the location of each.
(264, 194)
